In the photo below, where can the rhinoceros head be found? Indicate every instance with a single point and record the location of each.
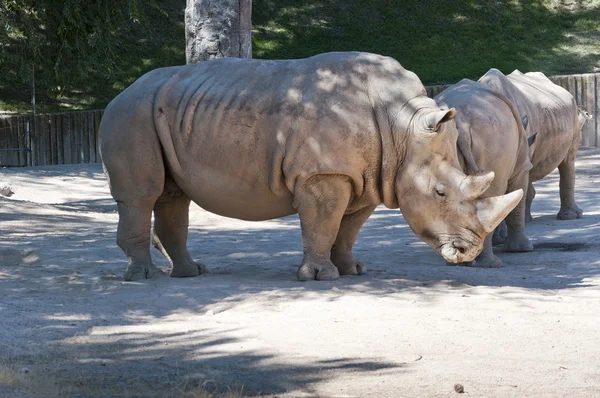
(441, 204)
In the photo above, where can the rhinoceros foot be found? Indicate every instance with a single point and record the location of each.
(347, 265)
(187, 270)
(570, 213)
(487, 260)
(137, 271)
(518, 242)
(325, 271)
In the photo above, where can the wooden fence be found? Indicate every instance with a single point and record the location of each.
(72, 137)
(58, 138)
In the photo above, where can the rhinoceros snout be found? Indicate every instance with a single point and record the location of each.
(458, 251)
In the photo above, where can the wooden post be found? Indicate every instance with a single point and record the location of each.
(588, 102)
(596, 111)
(60, 145)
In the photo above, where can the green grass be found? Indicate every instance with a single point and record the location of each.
(442, 41)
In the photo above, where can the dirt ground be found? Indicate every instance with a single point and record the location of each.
(410, 327)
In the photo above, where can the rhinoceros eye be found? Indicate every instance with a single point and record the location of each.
(439, 190)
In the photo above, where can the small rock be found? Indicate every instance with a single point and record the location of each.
(24, 370)
(459, 388)
(6, 191)
(596, 69)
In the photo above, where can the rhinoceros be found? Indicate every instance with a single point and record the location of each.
(491, 137)
(329, 137)
(553, 125)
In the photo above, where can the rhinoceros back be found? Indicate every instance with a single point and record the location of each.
(235, 132)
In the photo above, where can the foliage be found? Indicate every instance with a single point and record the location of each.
(442, 41)
(64, 43)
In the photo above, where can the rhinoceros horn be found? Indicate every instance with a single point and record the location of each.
(475, 185)
(491, 211)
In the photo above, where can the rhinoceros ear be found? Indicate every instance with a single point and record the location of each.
(437, 118)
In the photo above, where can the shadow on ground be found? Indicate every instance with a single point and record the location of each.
(68, 312)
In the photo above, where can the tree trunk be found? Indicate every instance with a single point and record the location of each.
(217, 29)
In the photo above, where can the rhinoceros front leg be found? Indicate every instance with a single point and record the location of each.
(517, 240)
(529, 200)
(133, 237)
(487, 258)
(321, 202)
(341, 252)
(171, 221)
(568, 209)
(500, 234)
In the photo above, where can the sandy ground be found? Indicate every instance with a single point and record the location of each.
(411, 326)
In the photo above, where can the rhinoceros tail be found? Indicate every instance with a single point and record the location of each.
(160, 113)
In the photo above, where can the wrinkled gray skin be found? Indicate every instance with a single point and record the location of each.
(501, 231)
(328, 137)
(554, 120)
(491, 137)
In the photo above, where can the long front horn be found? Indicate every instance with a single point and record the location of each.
(491, 211)
(475, 185)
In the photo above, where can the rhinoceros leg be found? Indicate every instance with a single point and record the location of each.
(133, 237)
(529, 200)
(341, 251)
(517, 240)
(487, 258)
(171, 221)
(500, 234)
(568, 209)
(321, 202)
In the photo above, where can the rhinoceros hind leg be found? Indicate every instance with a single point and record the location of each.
(320, 271)
(487, 258)
(171, 221)
(138, 271)
(568, 209)
(570, 213)
(341, 251)
(133, 237)
(321, 202)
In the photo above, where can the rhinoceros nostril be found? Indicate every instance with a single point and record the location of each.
(460, 246)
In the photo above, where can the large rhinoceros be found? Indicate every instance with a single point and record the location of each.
(553, 125)
(491, 136)
(328, 137)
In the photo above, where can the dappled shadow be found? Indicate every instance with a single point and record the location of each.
(117, 359)
(249, 322)
(442, 41)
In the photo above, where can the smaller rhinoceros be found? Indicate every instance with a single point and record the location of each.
(329, 137)
(491, 137)
(501, 231)
(553, 125)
